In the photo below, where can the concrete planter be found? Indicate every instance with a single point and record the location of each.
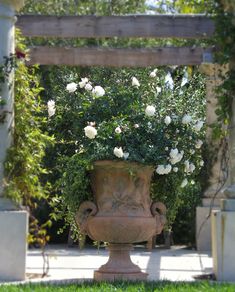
(121, 215)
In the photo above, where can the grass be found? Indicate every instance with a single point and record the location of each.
(123, 286)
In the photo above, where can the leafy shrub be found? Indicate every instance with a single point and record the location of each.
(167, 134)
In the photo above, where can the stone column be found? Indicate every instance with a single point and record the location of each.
(223, 220)
(13, 222)
(217, 177)
(7, 47)
(223, 231)
(223, 227)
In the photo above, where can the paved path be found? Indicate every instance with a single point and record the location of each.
(71, 264)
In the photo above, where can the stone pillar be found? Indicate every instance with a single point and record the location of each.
(13, 222)
(216, 179)
(223, 228)
(7, 47)
(223, 238)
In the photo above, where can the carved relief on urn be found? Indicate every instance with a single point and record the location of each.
(122, 214)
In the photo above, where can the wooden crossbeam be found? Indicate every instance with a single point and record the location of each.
(118, 57)
(147, 26)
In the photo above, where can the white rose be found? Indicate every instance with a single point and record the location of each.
(168, 168)
(71, 87)
(177, 158)
(201, 163)
(164, 169)
(184, 81)
(136, 126)
(189, 167)
(118, 152)
(160, 169)
(199, 144)
(166, 148)
(88, 87)
(98, 91)
(198, 126)
(186, 119)
(51, 103)
(174, 160)
(153, 73)
(150, 110)
(135, 82)
(90, 132)
(51, 108)
(83, 82)
(169, 81)
(184, 183)
(158, 89)
(167, 120)
(174, 153)
(192, 167)
(118, 130)
(175, 169)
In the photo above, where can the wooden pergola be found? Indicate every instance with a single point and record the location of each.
(136, 26)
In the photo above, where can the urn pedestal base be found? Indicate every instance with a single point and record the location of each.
(119, 265)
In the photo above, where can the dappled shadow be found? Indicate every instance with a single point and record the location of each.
(176, 264)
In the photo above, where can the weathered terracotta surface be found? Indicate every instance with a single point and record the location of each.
(122, 214)
(119, 265)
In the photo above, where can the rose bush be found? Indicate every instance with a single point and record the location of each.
(153, 117)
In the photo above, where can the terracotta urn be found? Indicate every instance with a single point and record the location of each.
(122, 214)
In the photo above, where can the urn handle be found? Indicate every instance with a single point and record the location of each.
(85, 210)
(158, 210)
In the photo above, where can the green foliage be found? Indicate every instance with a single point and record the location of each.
(194, 6)
(225, 54)
(84, 7)
(123, 105)
(23, 166)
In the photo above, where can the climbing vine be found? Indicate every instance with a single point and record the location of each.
(23, 167)
(225, 54)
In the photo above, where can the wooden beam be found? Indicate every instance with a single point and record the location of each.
(147, 26)
(118, 57)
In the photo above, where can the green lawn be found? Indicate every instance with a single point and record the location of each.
(123, 286)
